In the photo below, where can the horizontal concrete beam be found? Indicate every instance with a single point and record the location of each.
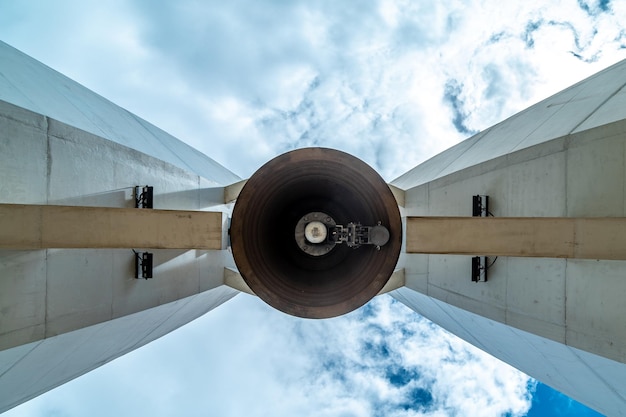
(45, 226)
(543, 237)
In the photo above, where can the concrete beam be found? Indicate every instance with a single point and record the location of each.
(44, 226)
(231, 192)
(399, 194)
(543, 237)
(233, 279)
(397, 280)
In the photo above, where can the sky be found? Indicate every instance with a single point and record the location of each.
(391, 82)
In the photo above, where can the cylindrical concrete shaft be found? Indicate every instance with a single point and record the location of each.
(45, 226)
(542, 237)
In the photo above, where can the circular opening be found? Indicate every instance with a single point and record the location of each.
(268, 255)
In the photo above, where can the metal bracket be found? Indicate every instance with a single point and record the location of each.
(355, 235)
(143, 265)
(144, 197)
(479, 269)
(480, 206)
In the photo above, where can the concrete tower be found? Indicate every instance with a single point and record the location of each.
(65, 312)
(552, 308)
(560, 321)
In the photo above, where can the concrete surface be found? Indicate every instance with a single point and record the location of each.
(29, 84)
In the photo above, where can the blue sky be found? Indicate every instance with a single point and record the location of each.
(392, 82)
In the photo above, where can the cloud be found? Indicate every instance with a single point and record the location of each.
(595, 7)
(528, 32)
(247, 359)
(452, 94)
(371, 79)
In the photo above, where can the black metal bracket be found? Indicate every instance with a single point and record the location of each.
(480, 206)
(479, 269)
(355, 235)
(144, 196)
(143, 265)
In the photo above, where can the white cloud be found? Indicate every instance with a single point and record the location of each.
(367, 78)
(246, 359)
